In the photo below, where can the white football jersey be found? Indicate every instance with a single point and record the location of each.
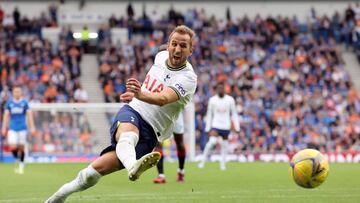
(182, 80)
(220, 112)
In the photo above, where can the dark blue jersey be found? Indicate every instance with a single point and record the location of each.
(17, 110)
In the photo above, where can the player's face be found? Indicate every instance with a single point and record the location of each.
(179, 49)
(17, 93)
(220, 90)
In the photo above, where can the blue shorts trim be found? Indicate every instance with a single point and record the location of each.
(147, 137)
(222, 133)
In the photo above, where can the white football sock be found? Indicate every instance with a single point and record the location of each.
(86, 178)
(21, 166)
(125, 149)
(224, 149)
(182, 171)
(209, 145)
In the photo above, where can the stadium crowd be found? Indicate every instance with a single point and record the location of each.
(287, 76)
(47, 73)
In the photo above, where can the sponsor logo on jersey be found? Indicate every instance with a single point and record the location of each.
(17, 110)
(152, 84)
(180, 88)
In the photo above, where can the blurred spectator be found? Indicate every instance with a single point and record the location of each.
(17, 16)
(85, 36)
(53, 12)
(80, 95)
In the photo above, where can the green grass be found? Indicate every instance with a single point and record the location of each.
(251, 182)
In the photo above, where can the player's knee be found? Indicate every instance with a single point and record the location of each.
(179, 143)
(212, 140)
(21, 148)
(180, 146)
(213, 133)
(131, 138)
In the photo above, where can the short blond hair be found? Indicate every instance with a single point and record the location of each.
(183, 29)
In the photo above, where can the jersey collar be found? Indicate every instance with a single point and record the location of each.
(175, 69)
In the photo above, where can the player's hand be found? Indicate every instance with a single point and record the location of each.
(126, 97)
(4, 132)
(32, 131)
(134, 86)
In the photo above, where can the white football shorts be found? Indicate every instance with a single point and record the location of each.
(16, 137)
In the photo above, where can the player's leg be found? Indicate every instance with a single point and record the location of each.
(160, 166)
(12, 140)
(127, 135)
(224, 148)
(209, 145)
(107, 163)
(87, 177)
(21, 155)
(21, 150)
(127, 138)
(181, 153)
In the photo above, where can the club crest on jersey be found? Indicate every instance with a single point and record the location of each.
(167, 77)
(152, 84)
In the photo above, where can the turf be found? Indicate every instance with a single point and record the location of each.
(250, 182)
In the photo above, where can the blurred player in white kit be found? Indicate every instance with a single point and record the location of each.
(221, 112)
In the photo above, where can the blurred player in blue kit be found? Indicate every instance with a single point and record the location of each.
(15, 119)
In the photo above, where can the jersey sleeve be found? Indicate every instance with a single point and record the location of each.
(184, 85)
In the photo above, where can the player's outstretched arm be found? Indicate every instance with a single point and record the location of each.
(5, 122)
(30, 118)
(166, 96)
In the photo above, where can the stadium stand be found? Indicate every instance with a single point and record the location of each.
(47, 73)
(287, 75)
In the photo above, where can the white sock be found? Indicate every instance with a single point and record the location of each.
(161, 175)
(182, 171)
(86, 178)
(21, 165)
(209, 145)
(125, 149)
(224, 148)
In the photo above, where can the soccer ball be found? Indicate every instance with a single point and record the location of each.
(309, 168)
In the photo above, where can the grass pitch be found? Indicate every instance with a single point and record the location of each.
(241, 182)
